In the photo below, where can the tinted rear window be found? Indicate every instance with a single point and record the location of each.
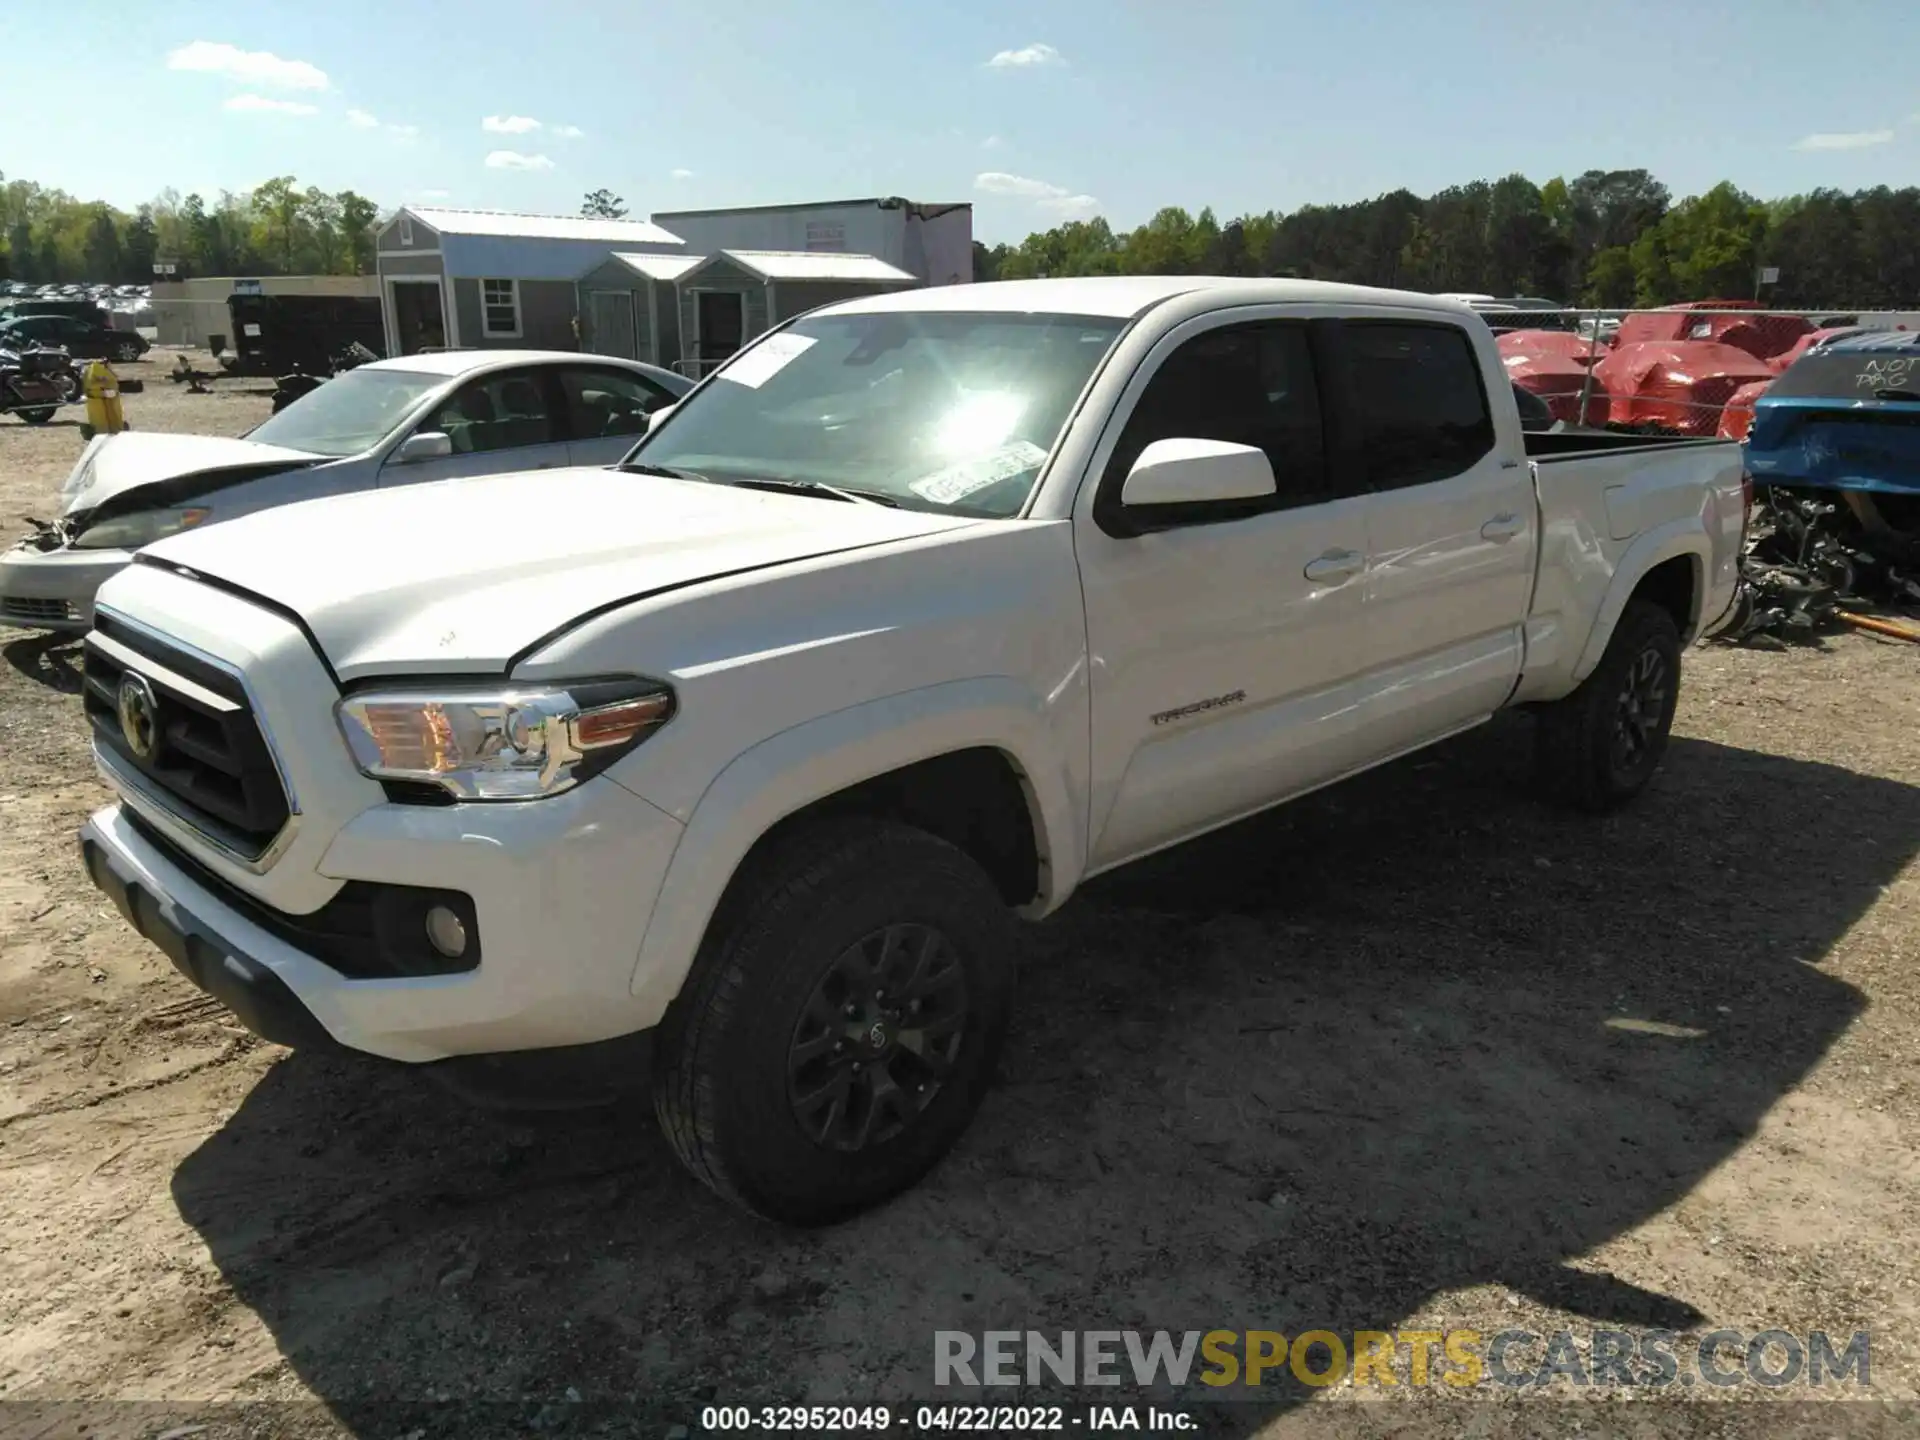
(1424, 414)
(1847, 375)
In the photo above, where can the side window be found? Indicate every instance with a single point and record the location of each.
(1249, 384)
(609, 402)
(500, 309)
(1422, 408)
(497, 412)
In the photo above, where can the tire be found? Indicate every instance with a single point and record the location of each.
(36, 414)
(1597, 748)
(126, 352)
(767, 1015)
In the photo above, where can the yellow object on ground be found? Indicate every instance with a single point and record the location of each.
(102, 389)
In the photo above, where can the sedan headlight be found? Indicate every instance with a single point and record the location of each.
(143, 527)
(510, 743)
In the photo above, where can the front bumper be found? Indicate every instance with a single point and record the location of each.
(54, 589)
(563, 889)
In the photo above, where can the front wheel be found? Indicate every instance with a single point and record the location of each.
(1598, 748)
(36, 414)
(841, 1023)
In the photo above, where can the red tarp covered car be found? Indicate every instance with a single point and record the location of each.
(1679, 386)
(1806, 342)
(1717, 320)
(1737, 418)
(1553, 365)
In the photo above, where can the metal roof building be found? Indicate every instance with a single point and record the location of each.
(493, 278)
(692, 312)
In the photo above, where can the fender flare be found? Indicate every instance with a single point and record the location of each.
(1676, 538)
(789, 771)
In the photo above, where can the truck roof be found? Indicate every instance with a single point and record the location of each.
(1124, 296)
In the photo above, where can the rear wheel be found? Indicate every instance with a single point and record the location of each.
(1598, 748)
(36, 414)
(841, 1023)
(126, 351)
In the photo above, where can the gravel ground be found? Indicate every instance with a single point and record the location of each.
(1412, 1054)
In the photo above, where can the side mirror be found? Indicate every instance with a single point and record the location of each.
(1197, 472)
(423, 445)
(654, 417)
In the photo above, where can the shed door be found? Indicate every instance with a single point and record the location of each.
(611, 312)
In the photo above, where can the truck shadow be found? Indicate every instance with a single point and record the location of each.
(47, 659)
(1310, 1072)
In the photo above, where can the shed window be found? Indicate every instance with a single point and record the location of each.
(500, 309)
(406, 231)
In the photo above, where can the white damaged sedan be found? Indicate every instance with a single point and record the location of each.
(392, 422)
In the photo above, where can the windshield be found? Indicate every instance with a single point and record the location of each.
(349, 413)
(929, 410)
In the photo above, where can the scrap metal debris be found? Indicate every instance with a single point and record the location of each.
(1811, 563)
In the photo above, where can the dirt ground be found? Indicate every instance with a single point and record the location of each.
(1377, 1061)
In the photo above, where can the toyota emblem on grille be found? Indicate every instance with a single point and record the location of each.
(139, 715)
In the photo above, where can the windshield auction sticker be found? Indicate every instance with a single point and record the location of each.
(767, 359)
(956, 482)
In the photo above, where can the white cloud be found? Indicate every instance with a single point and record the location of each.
(514, 160)
(683, 174)
(509, 124)
(364, 120)
(253, 67)
(1026, 57)
(260, 103)
(1043, 193)
(569, 132)
(1847, 140)
(992, 142)
(435, 194)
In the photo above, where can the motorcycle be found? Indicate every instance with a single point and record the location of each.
(36, 382)
(289, 388)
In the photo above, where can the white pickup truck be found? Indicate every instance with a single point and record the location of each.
(735, 761)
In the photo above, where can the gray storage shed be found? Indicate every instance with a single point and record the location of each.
(629, 306)
(730, 297)
(492, 279)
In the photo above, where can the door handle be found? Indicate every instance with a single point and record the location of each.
(1502, 528)
(1335, 566)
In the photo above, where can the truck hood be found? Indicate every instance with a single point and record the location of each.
(116, 466)
(465, 576)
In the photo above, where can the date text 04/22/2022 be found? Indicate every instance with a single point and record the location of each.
(987, 1419)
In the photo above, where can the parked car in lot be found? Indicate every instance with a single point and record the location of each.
(83, 339)
(394, 422)
(918, 612)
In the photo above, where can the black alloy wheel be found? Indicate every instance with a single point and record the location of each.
(878, 1036)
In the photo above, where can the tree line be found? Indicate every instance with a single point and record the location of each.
(277, 228)
(1611, 238)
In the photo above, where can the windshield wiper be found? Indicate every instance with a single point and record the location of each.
(672, 472)
(817, 487)
(1896, 394)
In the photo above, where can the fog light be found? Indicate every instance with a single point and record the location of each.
(446, 932)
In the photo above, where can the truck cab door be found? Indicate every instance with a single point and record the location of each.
(1452, 530)
(1223, 655)
(505, 421)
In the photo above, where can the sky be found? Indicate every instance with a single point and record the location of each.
(1036, 112)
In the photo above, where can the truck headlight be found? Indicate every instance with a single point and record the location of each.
(143, 527)
(505, 743)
